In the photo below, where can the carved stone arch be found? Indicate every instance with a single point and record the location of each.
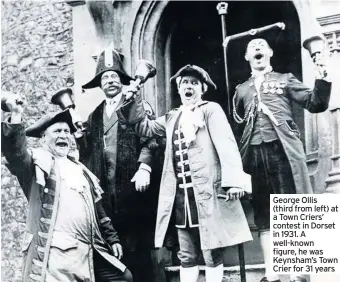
(146, 41)
(145, 29)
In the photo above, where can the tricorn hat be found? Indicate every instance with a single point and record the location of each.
(36, 129)
(197, 71)
(108, 60)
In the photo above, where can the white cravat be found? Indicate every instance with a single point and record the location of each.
(111, 104)
(191, 120)
(71, 173)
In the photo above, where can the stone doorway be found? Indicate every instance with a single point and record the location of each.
(194, 36)
(174, 33)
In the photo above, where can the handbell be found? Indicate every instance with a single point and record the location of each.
(63, 98)
(314, 44)
(144, 71)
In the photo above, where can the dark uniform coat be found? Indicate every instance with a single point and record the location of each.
(122, 201)
(280, 104)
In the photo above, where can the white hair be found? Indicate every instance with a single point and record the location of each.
(204, 85)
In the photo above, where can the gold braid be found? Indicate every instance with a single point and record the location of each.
(250, 112)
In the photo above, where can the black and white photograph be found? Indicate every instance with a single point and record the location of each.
(145, 141)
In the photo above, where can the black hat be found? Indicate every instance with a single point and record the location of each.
(108, 60)
(195, 70)
(36, 129)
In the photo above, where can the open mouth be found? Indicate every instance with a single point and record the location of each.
(62, 144)
(258, 56)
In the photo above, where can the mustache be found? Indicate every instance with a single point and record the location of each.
(113, 84)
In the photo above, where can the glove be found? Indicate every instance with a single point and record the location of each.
(142, 178)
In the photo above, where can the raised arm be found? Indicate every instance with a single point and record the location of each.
(314, 100)
(135, 115)
(14, 146)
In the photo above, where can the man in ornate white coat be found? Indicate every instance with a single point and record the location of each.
(202, 177)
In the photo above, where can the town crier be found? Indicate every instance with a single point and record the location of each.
(202, 178)
(68, 235)
(271, 149)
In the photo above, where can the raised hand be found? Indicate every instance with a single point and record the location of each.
(321, 66)
(130, 92)
(13, 103)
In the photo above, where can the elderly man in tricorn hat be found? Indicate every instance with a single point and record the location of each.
(270, 147)
(68, 236)
(202, 179)
(112, 151)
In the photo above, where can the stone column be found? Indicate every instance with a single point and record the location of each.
(333, 180)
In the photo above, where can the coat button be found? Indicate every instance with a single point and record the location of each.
(291, 133)
(46, 190)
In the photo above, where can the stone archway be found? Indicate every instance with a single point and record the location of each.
(156, 25)
(157, 35)
(150, 41)
(152, 37)
(144, 30)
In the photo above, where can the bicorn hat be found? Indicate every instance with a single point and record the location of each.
(196, 71)
(108, 60)
(36, 129)
(273, 36)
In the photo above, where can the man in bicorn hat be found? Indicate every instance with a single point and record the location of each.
(270, 146)
(112, 151)
(202, 178)
(68, 235)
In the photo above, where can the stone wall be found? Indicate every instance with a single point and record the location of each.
(37, 59)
